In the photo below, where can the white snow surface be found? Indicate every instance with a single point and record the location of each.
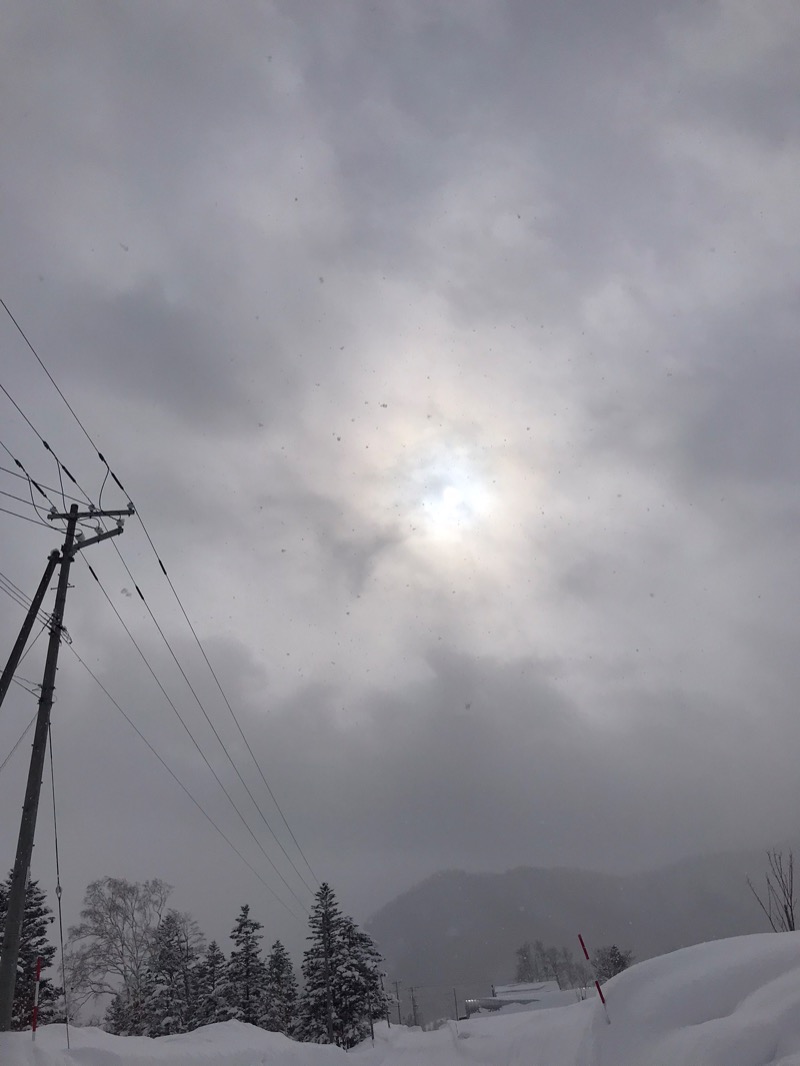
(727, 1003)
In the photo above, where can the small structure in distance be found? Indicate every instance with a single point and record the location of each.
(529, 995)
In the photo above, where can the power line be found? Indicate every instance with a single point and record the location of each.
(24, 477)
(228, 704)
(191, 736)
(211, 724)
(16, 588)
(236, 808)
(22, 601)
(110, 472)
(12, 594)
(19, 499)
(20, 597)
(178, 781)
(45, 625)
(59, 465)
(32, 483)
(19, 409)
(28, 682)
(26, 686)
(27, 518)
(38, 434)
(222, 693)
(25, 732)
(214, 730)
(41, 364)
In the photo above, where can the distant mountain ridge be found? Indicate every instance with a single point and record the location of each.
(458, 928)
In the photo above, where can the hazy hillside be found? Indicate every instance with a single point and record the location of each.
(463, 928)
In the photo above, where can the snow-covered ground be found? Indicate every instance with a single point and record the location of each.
(728, 1003)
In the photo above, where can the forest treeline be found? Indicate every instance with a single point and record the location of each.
(153, 966)
(536, 962)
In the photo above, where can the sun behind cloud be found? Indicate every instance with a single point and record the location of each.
(448, 493)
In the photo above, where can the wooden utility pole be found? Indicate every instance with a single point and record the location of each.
(27, 626)
(369, 1013)
(9, 953)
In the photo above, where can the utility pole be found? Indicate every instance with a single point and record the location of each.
(27, 625)
(397, 998)
(73, 543)
(369, 1011)
(413, 1006)
(386, 1001)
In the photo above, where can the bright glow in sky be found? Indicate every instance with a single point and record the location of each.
(450, 494)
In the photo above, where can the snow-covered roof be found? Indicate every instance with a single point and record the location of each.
(534, 989)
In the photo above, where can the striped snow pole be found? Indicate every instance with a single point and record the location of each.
(596, 982)
(35, 1016)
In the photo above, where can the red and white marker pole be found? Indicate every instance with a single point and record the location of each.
(596, 982)
(35, 1016)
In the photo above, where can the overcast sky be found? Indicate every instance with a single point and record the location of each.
(449, 350)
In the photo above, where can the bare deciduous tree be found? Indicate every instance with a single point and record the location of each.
(110, 946)
(778, 902)
(535, 962)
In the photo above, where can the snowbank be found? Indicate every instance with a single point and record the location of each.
(224, 1044)
(729, 1003)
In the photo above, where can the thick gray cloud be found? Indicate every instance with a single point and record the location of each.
(448, 351)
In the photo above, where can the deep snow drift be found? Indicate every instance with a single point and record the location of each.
(728, 1003)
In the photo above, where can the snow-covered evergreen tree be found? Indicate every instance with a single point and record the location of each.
(609, 961)
(33, 944)
(164, 999)
(128, 1012)
(341, 978)
(212, 988)
(247, 971)
(280, 1015)
(525, 970)
(318, 1021)
(117, 1017)
(169, 994)
(374, 963)
(361, 999)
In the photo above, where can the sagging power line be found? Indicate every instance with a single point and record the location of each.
(21, 599)
(222, 744)
(110, 473)
(178, 781)
(191, 736)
